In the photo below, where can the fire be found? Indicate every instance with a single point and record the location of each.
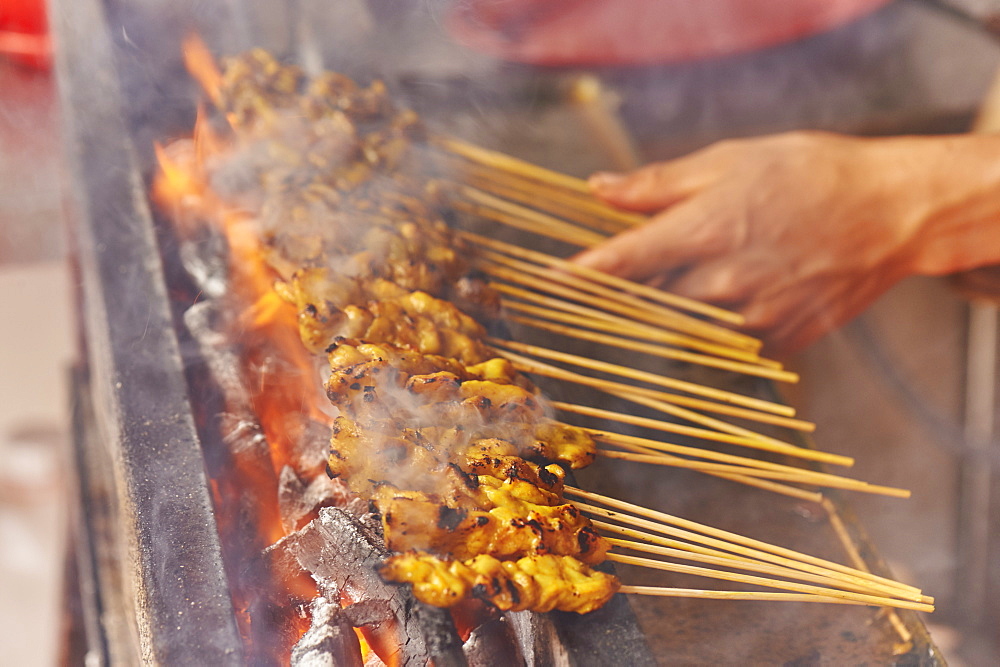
(285, 373)
(201, 64)
(284, 387)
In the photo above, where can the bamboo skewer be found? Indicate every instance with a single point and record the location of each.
(695, 417)
(752, 368)
(721, 538)
(680, 429)
(535, 223)
(766, 485)
(645, 445)
(735, 595)
(798, 476)
(626, 326)
(652, 293)
(744, 564)
(641, 376)
(675, 321)
(859, 598)
(488, 261)
(852, 552)
(650, 399)
(747, 480)
(510, 164)
(772, 487)
(542, 221)
(637, 330)
(858, 578)
(588, 212)
(632, 373)
(582, 209)
(747, 469)
(527, 365)
(698, 553)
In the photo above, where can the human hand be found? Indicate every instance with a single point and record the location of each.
(797, 232)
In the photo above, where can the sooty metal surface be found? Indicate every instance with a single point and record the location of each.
(173, 567)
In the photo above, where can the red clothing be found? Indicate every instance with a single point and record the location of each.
(623, 32)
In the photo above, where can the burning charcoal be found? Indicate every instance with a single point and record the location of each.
(299, 502)
(341, 552)
(330, 640)
(207, 323)
(537, 637)
(493, 643)
(206, 260)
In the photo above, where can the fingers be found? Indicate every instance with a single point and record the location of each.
(658, 185)
(671, 240)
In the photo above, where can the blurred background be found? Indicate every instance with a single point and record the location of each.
(893, 389)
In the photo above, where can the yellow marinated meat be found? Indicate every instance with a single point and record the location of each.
(512, 529)
(540, 583)
(453, 446)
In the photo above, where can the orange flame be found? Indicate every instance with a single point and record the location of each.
(201, 64)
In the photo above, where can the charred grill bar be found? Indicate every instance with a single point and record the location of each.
(153, 549)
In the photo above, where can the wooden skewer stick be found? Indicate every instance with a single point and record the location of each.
(739, 595)
(721, 362)
(667, 403)
(727, 559)
(723, 537)
(627, 326)
(752, 566)
(635, 443)
(586, 237)
(675, 321)
(747, 480)
(799, 476)
(488, 261)
(680, 429)
(858, 578)
(658, 350)
(553, 228)
(582, 209)
(694, 417)
(772, 487)
(652, 293)
(766, 485)
(527, 365)
(625, 371)
(641, 376)
(557, 309)
(696, 453)
(860, 598)
(637, 330)
(511, 164)
(649, 399)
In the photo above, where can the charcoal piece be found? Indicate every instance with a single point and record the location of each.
(493, 643)
(330, 641)
(538, 639)
(343, 553)
(366, 612)
(205, 257)
(610, 632)
(299, 502)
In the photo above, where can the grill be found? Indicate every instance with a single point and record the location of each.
(151, 573)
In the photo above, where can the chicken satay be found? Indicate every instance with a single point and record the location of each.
(540, 583)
